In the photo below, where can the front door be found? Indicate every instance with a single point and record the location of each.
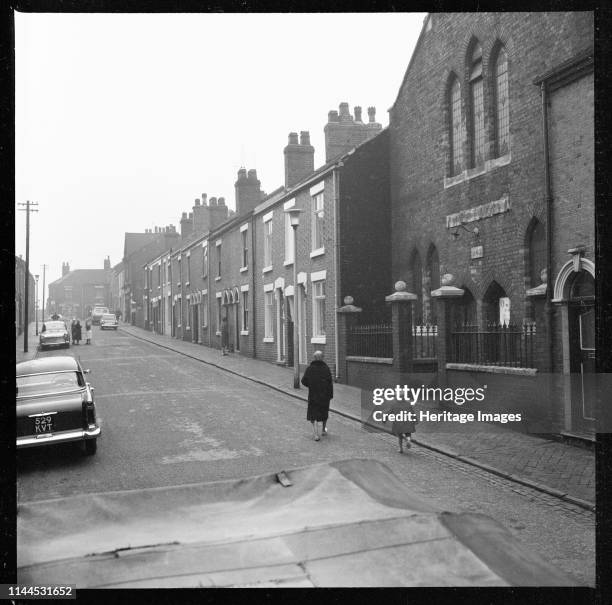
(195, 324)
(581, 316)
(237, 323)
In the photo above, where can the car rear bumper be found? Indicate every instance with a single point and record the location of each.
(63, 437)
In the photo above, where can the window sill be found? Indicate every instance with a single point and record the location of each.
(217, 333)
(244, 332)
(267, 269)
(243, 269)
(204, 276)
(317, 252)
(218, 278)
(472, 173)
(288, 263)
(268, 339)
(318, 340)
(472, 367)
(186, 283)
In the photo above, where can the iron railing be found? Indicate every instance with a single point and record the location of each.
(496, 345)
(424, 339)
(371, 340)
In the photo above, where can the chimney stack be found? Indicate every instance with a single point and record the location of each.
(248, 192)
(218, 212)
(65, 269)
(343, 133)
(107, 263)
(201, 216)
(186, 225)
(299, 158)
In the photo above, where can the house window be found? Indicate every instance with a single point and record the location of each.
(269, 315)
(477, 108)
(218, 326)
(180, 273)
(318, 308)
(159, 274)
(188, 269)
(245, 310)
(456, 129)
(289, 238)
(205, 261)
(502, 110)
(218, 260)
(245, 249)
(169, 271)
(268, 243)
(318, 216)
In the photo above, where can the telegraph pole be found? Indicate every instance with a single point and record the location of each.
(28, 208)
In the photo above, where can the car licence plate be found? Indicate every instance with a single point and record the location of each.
(43, 424)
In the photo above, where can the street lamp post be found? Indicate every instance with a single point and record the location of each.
(294, 218)
(36, 302)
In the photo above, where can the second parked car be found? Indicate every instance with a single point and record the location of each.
(54, 334)
(108, 321)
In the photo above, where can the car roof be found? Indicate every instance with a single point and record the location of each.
(47, 364)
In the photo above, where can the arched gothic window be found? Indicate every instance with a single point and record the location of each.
(502, 110)
(431, 281)
(491, 306)
(464, 311)
(455, 127)
(477, 117)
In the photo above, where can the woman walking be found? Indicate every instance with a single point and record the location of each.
(88, 331)
(318, 379)
(78, 331)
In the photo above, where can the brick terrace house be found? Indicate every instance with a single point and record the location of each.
(491, 147)
(240, 265)
(77, 292)
(138, 249)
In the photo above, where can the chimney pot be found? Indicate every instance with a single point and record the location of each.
(204, 198)
(197, 201)
(242, 173)
(372, 114)
(213, 201)
(304, 137)
(191, 215)
(221, 201)
(293, 138)
(332, 116)
(357, 111)
(252, 174)
(183, 216)
(345, 115)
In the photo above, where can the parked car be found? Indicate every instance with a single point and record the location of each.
(96, 315)
(55, 404)
(54, 334)
(108, 321)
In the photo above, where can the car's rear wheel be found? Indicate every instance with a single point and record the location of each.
(91, 446)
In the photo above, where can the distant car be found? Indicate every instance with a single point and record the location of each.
(96, 315)
(108, 321)
(54, 334)
(55, 404)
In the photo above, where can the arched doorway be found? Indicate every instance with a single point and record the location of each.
(575, 291)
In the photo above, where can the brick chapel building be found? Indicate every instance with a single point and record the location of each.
(492, 189)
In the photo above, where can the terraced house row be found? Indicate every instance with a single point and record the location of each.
(239, 265)
(458, 243)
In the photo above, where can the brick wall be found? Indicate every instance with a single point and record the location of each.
(422, 193)
(365, 228)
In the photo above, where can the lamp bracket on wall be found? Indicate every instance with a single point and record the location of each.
(475, 231)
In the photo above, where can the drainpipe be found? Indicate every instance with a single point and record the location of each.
(336, 190)
(253, 310)
(548, 309)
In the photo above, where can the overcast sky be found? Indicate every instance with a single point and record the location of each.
(122, 120)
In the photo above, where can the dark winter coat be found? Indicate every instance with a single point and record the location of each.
(76, 331)
(318, 379)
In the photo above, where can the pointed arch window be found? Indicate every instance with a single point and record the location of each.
(455, 127)
(477, 108)
(502, 110)
(537, 253)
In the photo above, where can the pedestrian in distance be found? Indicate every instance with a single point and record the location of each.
(78, 332)
(318, 379)
(88, 331)
(403, 429)
(73, 330)
(224, 337)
